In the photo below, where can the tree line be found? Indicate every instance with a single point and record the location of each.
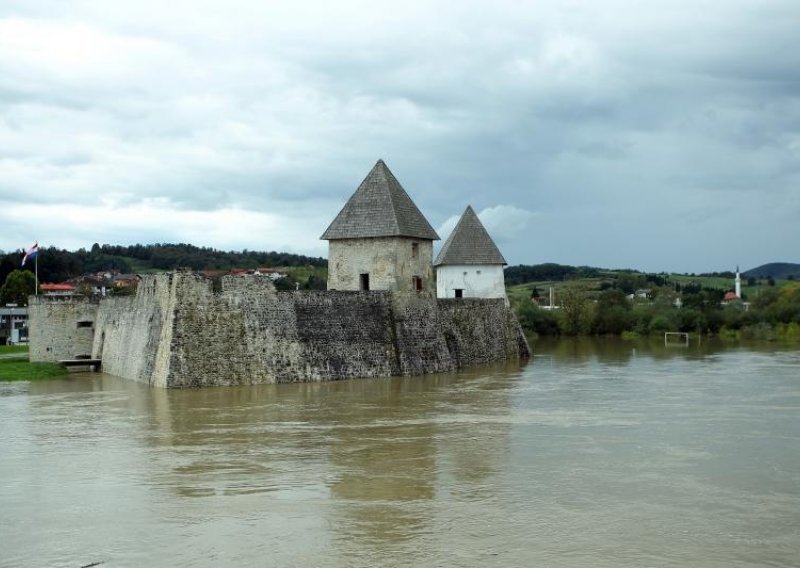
(57, 265)
(774, 313)
(549, 271)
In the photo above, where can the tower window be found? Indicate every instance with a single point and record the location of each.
(364, 280)
(414, 250)
(459, 292)
(416, 283)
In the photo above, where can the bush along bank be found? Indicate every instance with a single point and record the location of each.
(773, 315)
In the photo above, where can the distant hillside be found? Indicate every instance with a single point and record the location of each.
(57, 265)
(549, 271)
(777, 270)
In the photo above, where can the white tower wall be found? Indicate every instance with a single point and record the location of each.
(475, 281)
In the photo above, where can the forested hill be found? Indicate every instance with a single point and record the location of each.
(549, 271)
(57, 265)
(775, 270)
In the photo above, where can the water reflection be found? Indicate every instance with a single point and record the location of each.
(376, 451)
(616, 351)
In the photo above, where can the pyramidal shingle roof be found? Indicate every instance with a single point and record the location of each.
(380, 207)
(469, 243)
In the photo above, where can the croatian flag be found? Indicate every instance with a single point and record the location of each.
(32, 252)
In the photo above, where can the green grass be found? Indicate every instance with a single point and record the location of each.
(301, 273)
(16, 369)
(14, 365)
(522, 292)
(12, 349)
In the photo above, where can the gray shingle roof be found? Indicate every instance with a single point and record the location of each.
(380, 207)
(469, 243)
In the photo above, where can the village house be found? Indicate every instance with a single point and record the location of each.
(64, 289)
(125, 280)
(271, 273)
(97, 284)
(13, 324)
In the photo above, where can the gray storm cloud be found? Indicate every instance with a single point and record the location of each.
(660, 136)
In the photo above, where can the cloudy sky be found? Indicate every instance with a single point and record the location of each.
(659, 135)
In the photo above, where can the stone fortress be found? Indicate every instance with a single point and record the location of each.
(382, 315)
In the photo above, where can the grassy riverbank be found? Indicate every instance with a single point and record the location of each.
(14, 365)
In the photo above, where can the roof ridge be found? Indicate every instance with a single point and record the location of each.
(385, 170)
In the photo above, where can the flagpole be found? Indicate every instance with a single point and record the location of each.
(36, 260)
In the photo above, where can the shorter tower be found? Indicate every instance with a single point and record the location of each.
(470, 264)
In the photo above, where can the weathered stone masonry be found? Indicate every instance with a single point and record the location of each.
(177, 331)
(64, 327)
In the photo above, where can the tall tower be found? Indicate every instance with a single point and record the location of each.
(380, 240)
(738, 283)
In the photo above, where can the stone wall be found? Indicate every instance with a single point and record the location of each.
(256, 335)
(209, 344)
(60, 328)
(133, 334)
(390, 262)
(420, 345)
(480, 331)
(180, 330)
(313, 336)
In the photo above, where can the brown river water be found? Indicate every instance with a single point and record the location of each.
(596, 453)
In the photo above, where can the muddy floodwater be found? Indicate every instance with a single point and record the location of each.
(597, 453)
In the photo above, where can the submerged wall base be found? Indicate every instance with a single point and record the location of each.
(180, 330)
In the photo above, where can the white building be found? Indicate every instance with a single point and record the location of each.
(13, 324)
(470, 264)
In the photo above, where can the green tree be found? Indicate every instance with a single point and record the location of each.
(286, 284)
(18, 286)
(660, 323)
(612, 315)
(576, 311)
(536, 320)
(690, 319)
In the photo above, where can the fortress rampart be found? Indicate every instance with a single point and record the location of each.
(184, 330)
